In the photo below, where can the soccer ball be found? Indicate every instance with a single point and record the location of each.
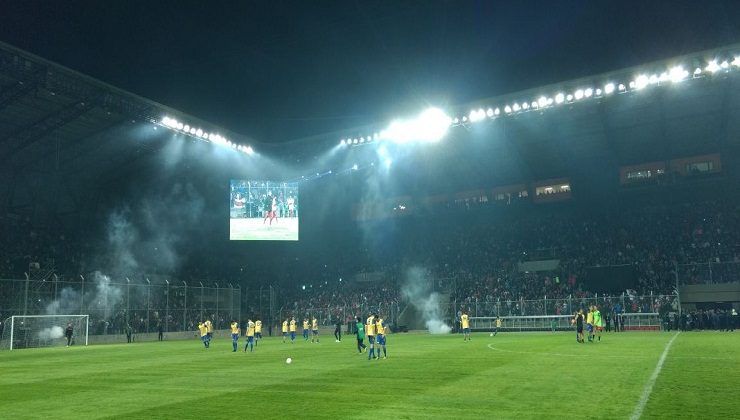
(491, 334)
(288, 360)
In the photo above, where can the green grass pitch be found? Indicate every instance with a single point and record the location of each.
(512, 375)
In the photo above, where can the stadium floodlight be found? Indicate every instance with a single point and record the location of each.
(355, 141)
(199, 132)
(569, 98)
(180, 126)
(473, 116)
(354, 167)
(653, 79)
(430, 126)
(192, 130)
(535, 105)
(697, 71)
(249, 150)
(725, 64)
(516, 107)
(598, 92)
(712, 66)
(550, 101)
(496, 111)
(622, 87)
(578, 94)
(588, 92)
(489, 112)
(608, 88)
(456, 121)
(736, 61)
(640, 82)
(343, 142)
(542, 101)
(465, 119)
(186, 128)
(559, 98)
(362, 140)
(525, 106)
(677, 74)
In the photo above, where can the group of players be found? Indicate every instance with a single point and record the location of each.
(594, 324)
(252, 334)
(290, 326)
(375, 329)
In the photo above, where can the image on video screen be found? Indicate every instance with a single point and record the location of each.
(263, 210)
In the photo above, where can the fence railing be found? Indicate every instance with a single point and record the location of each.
(346, 314)
(117, 306)
(708, 273)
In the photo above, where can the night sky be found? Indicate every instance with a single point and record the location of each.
(280, 70)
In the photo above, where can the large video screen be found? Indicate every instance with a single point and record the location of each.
(263, 211)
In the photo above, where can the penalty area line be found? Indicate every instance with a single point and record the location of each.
(651, 382)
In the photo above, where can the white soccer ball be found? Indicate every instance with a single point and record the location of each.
(288, 360)
(491, 334)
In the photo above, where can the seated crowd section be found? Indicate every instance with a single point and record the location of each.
(470, 251)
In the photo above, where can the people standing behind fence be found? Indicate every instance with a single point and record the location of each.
(160, 331)
(129, 334)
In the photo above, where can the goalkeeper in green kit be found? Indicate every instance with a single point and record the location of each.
(598, 322)
(360, 328)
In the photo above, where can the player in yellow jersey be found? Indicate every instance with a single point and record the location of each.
(292, 330)
(380, 328)
(370, 332)
(305, 329)
(203, 330)
(498, 325)
(285, 329)
(257, 331)
(249, 336)
(209, 326)
(314, 329)
(235, 335)
(465, 324)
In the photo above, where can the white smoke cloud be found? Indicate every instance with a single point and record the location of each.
(417, 289)
(101, 295)
(50, 333)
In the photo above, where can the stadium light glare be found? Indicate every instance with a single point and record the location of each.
(535, 105)
(180, 126)
(609, 88)
(186, 128)
(496, 111)
(355, 141)
(653, 79)
(697, 71)
(578, 94)
(622, 87)
(456, 121)
(712, 66)
(342, 143)
(550, 101)
(249, 150)
(516, 107)
(542, 101)
(736, 61)
(388, 163)
(489, 112)
(640, 82)
(354, 167)
(199, 132)
(559, 98)
(588, 92)
(465, 119)
(569, 98)
(525, 106)
(362, 140)
(725, 64)
(677, 74)
(598, 92)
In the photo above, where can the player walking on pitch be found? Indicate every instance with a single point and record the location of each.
(257, 331)
(360, 335)
(370, 331)
(203, 330)
(380, 328)
(292, 330)
(315, 329)
(235, 335)
(285, 330)
(465, 324)
(249, 336)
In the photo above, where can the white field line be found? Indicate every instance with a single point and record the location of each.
(651, 382)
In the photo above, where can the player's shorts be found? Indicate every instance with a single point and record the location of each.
(381, 339)
(285, 333)
(315, 332)
(305, 333)
(292, 335)
(371, 339)
(579, 329)
(466, 330)
(204, 338)
(209, 335)
(250, 338)
(589, 328)
(234, 337)
(258, 335)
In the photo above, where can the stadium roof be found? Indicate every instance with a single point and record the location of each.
(77, 131)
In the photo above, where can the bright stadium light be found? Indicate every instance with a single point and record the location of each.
(507, 109)
(342, 143)
(180, 126)
(725, 64)
(641, 81)
(430, 126)
(677, 74)
(579, 94)
(489, 112)
(598, 92)
(736, 61)
(456, 121)
(496, 111)
(569, 98)
(516, 107)
(199, 132)
(588, 92)
(653, 79)
(622, 87)
(542, 101)
(249, 150)
(354, 167)
(559, 98)
(608, 88)
(388, 162)
(525, 106)
(186, 128)
(712, 66)
(697, 71)
(535, 105)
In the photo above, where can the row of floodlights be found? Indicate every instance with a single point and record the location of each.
(433, 124)
(675, 74)
(214, 138)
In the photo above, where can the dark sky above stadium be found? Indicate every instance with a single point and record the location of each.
(279, 70)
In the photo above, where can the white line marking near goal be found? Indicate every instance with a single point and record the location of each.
(651, 382)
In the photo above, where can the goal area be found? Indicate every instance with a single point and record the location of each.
(32, 331)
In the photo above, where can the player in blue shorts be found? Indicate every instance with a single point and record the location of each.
(465, 324)
(314, 329)
(380, 328)
(305, 329)
(235, 335)
(370, 332)
(292, 330)
(249, 336)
